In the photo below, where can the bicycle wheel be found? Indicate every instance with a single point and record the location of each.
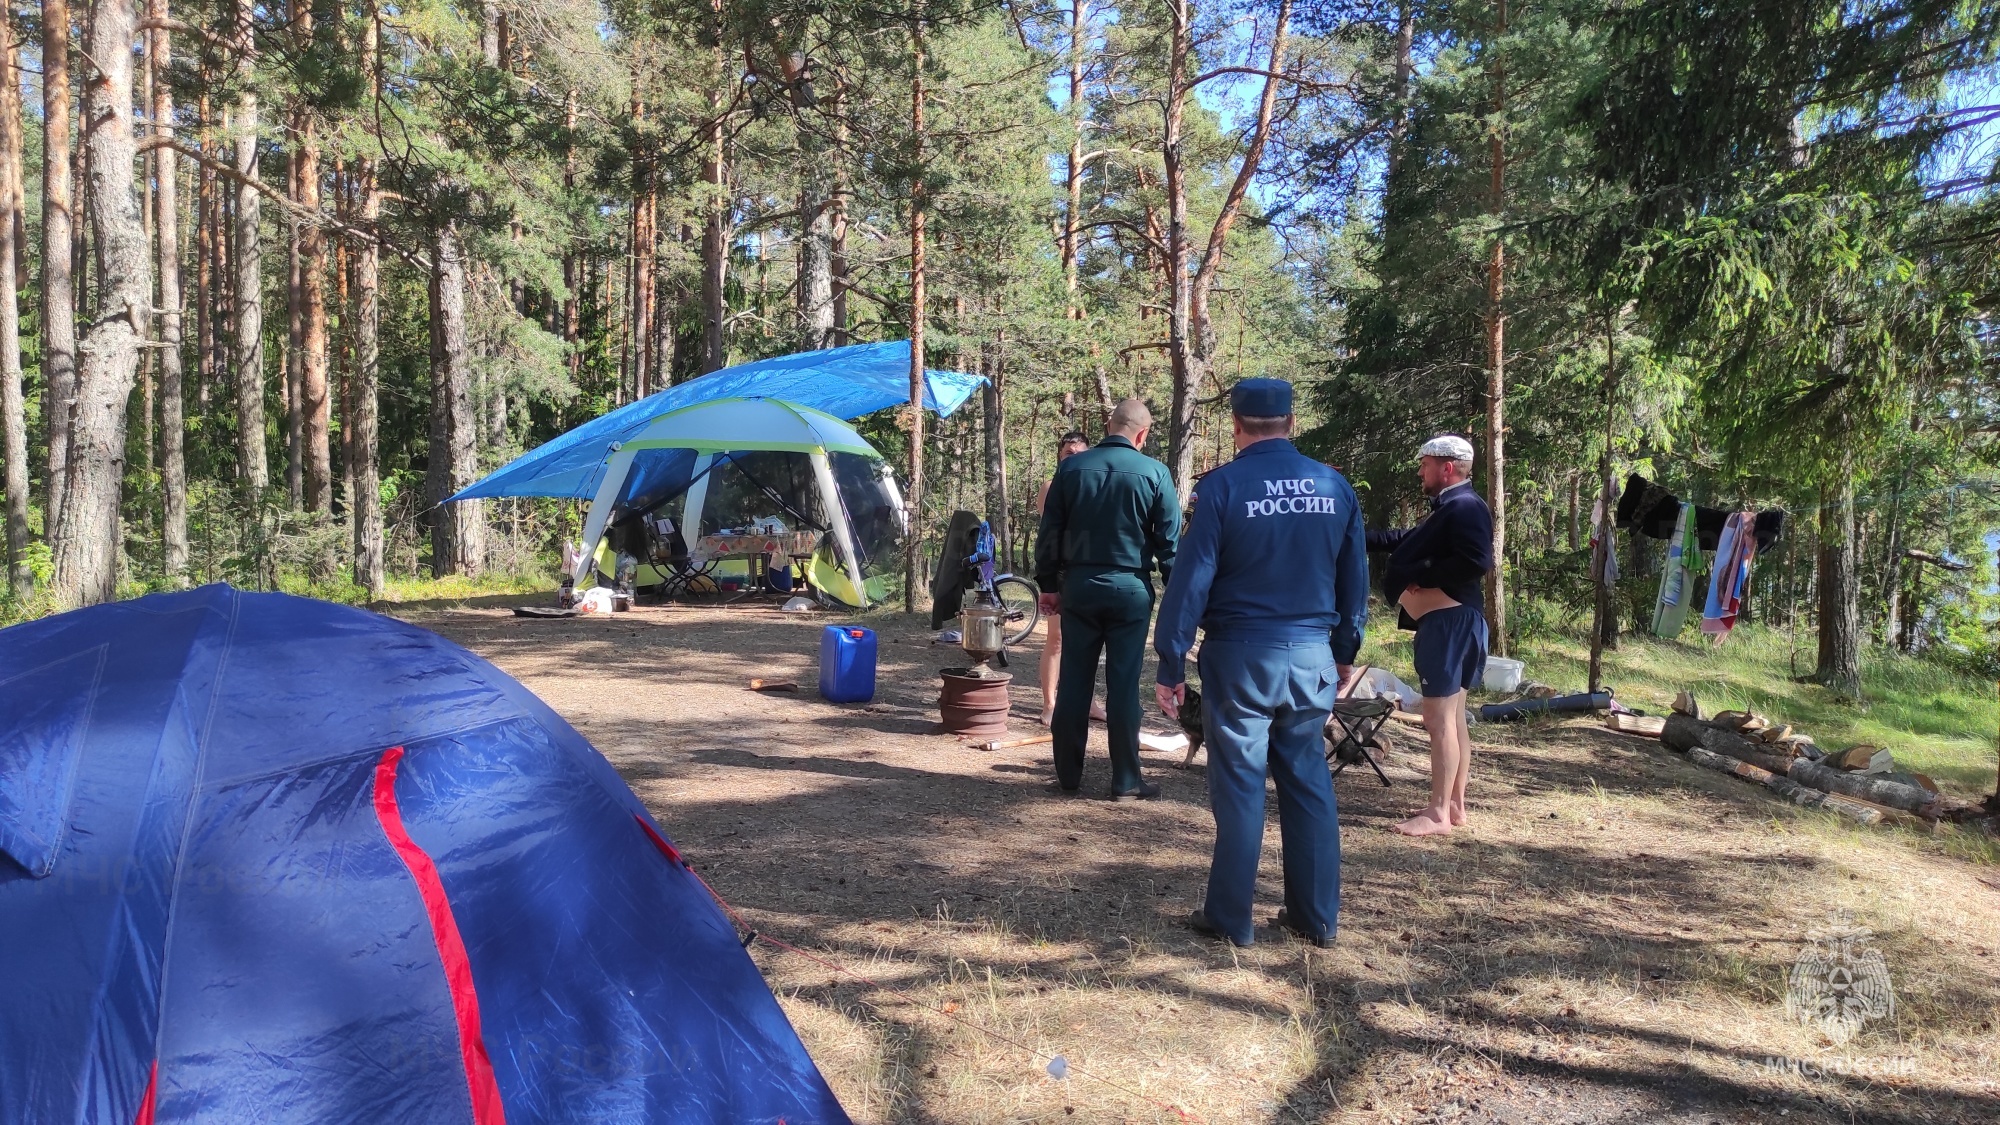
(1018, 596)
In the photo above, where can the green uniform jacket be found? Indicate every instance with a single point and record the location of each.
(1109, 508)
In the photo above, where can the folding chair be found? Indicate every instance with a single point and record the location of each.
(1354, 729)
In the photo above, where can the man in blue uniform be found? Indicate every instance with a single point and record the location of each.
(1110, 516)
(1434, 575)
(1273, 564)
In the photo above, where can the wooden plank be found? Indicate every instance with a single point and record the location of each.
(1649, 725)
(1010, 743)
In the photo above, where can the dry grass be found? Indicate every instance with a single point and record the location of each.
(1609, 942)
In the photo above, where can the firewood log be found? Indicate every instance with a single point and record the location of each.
(1785, 787)
(1876, 790)
(1685, 734)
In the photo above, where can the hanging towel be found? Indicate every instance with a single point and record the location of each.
(1733, 551)
(1610, 548)
(1677, 585)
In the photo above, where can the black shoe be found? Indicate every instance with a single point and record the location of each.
(1283, 921)
(1199, 923)
(1147, 791)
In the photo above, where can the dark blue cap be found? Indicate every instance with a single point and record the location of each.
(1261, 398)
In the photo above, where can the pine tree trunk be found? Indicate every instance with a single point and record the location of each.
(1200, 326)
(995, 418)
(458, 531)
(574, 268)
(837, 220)
(166, 227)
(1839, 594)
(1496, 371)
(86, 564)
(714, 233)
(1405, 69)
(314, 404)
(253, 472)
(58, 335)
(913, 542)
(814, 292)
(1079, 45)
(1185, 367)
(293, 355)
(13, 416)
(368, 546)
(205, 224)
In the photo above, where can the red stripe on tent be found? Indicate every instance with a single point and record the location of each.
(146, 1105)
(486, 1107)
(660, 841)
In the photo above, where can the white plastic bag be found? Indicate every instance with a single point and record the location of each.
(597, 599)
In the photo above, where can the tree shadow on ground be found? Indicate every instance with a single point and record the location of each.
(908, 860)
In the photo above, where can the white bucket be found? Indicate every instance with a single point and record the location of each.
(1502, 674)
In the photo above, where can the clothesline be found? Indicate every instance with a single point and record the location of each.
(1875, 499)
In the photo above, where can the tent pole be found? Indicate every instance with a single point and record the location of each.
(600, 510)
(843, 532)
(697, 499)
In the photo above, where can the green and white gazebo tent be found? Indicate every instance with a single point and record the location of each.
(806, 464)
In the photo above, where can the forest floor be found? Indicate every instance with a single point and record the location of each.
(1610, 940)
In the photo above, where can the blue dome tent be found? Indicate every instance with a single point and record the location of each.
(269, 859)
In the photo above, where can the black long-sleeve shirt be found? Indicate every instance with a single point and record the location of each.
(1451, 549)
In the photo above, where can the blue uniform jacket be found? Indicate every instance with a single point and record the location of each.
(1274, 551)
(1451, 550)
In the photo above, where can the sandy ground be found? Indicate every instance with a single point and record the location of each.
(1610, 941)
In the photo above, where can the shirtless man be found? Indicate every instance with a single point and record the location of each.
(1435, 573)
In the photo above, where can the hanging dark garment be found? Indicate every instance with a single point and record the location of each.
(1651, 510)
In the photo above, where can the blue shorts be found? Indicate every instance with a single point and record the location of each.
(1450, 650)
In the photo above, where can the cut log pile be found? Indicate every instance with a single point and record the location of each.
(1861, 783)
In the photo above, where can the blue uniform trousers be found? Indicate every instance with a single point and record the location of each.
(1264, 706)
(1104, 612)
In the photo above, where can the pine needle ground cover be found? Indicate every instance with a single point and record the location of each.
(1612, 941)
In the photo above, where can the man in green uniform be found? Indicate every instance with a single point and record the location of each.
(1111, 516)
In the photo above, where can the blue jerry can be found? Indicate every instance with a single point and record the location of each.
(847, 664)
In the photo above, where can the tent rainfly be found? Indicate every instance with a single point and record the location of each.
(268, 859)
(844, 382)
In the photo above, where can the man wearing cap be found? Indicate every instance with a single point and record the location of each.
(1434, 576)
(1273, 564)
(1110, 515)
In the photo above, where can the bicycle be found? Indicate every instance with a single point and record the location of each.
(1019, 597)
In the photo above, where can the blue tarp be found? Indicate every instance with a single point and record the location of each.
(269, 859)
(845, 382)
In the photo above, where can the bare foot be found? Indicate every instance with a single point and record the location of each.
(1097, 713)
(1048, 718)
(1424, 824)
(1457, 816)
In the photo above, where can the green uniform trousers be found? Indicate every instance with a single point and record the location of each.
(1103, 612)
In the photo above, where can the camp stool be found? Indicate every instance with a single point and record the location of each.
(1353, 729)
(683, 576)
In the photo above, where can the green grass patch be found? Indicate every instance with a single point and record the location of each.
(459, 588)
(1937, 721)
